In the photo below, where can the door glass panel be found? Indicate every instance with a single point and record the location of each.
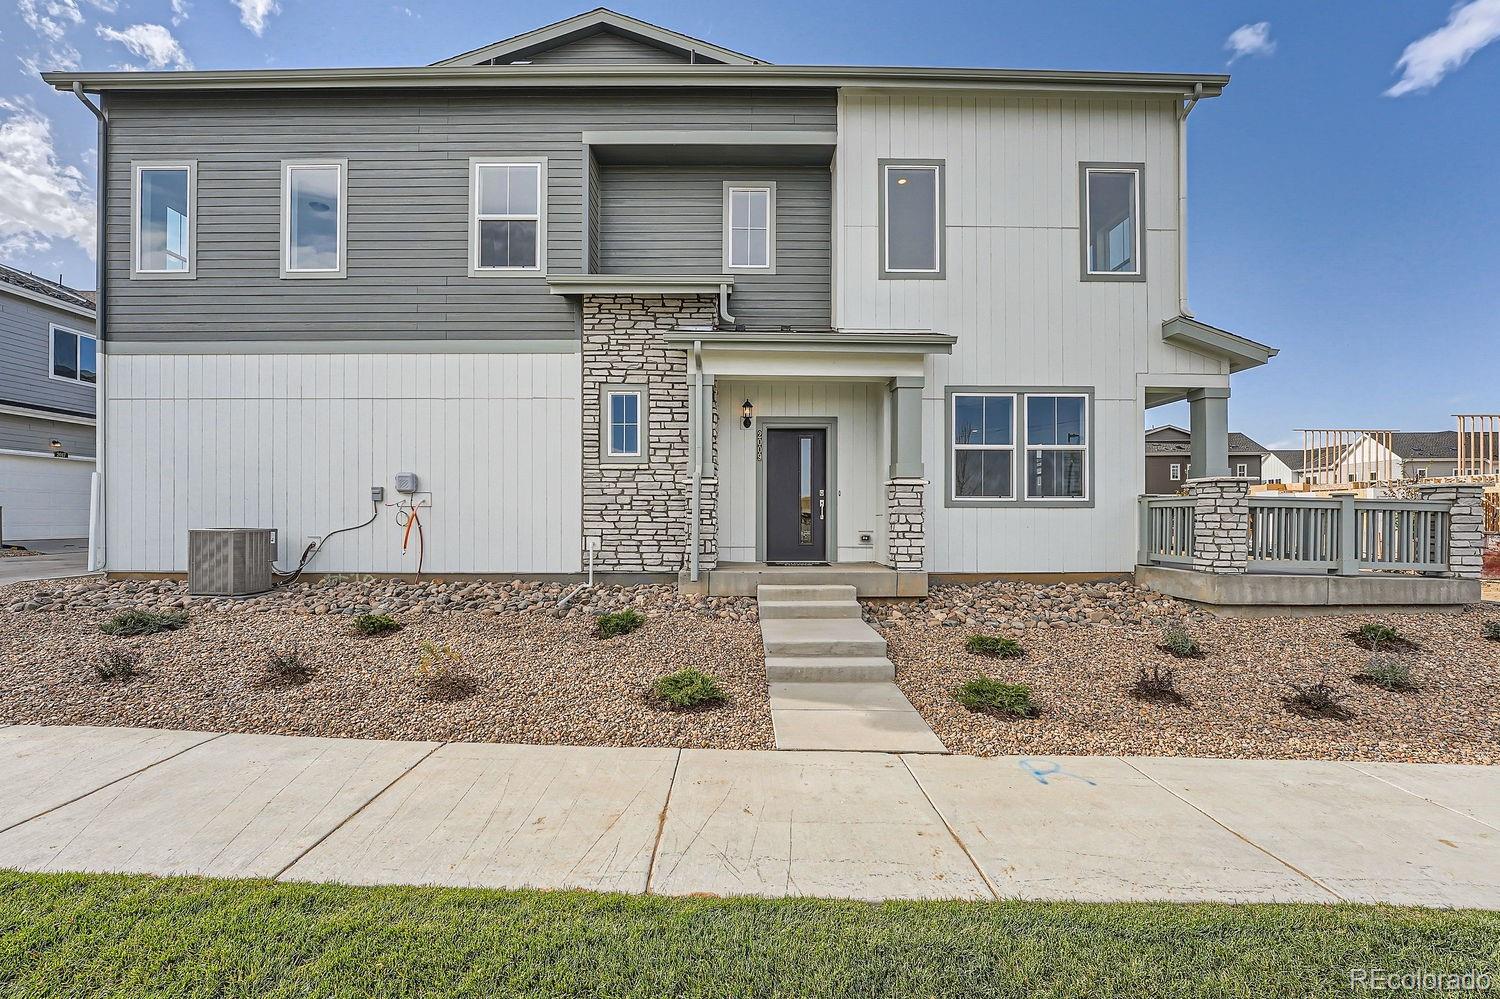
(804, 496)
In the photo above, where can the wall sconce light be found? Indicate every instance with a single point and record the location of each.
(747, 413)
(57, 445)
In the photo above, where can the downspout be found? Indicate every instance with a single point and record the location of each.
(1183, 110)
(724, 305)
(98, 536)
(696, 442)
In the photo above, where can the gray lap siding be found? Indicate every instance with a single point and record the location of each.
(408, 204)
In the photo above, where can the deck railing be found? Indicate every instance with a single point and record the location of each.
(1342, 535)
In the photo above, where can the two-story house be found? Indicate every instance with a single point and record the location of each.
(48, 363)
(1169, 452)
(616, 294)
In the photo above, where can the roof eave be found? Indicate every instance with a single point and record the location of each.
(1240, 352)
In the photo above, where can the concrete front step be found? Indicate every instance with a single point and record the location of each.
(827, 637)
(808, 609)
(789, 594)
(829, 669)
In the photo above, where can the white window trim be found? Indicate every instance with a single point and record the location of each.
(769, 188)
(937, 167)
(52, 355)
(1085, 497)
(1137, 220)
(137, 167)
(642, 454)
(475, 162)
(1242, 469)
(1174, 472)
(955, 447)
(287, 270)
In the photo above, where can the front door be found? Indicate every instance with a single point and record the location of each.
(796, 496)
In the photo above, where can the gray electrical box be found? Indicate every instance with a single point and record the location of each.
(406, 482)
(230, 561)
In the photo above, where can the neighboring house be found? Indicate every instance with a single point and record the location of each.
(1282, 466)
(609, 289)
(1169, 458)
(47, 373)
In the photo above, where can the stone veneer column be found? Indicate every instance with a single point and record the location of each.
(906, 539)
(641, 511)
(1221, 524)
(1465, 526)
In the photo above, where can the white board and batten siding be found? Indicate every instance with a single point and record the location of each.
(1014, 297)
(859, 408)
(295, 441)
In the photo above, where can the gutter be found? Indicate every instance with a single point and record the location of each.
(98, 534)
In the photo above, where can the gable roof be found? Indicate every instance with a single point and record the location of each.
(1425, 444)
(1290, 457)
(28, 285)
(1239, 444)
(592, 22)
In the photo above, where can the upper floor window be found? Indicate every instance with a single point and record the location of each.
(1112, 222)
(509, 207)
(74, 356)
(750, 227)
(313, 218)
(911, 219)
(164, 195)
(1057, 447)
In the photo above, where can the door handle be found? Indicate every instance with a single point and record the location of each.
(822, 509)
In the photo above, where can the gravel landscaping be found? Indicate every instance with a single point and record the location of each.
(1233, 699)
(519, 671)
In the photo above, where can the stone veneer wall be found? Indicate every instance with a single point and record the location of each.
(1221, 524)
(641, 512)
(1465, 526)
(906, 544)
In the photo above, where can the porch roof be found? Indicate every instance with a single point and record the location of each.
(1240, 352)
(817, 341)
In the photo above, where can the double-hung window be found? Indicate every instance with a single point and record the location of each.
(911, 219)
(623, 436)
(984, 446)
(750, 228)
(1057, 447)
(74, 356)
(164, 228)
(1242, 469)
(1175, 472)
(1112, 222)
(508, 205)
(313, 218)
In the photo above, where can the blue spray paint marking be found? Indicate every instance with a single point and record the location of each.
(1042, 769)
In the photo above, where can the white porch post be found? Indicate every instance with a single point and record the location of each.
(1208, 415)
(905, 489)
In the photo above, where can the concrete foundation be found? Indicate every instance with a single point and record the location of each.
(1280, 593)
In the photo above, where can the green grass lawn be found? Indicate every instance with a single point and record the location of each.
(92, 935)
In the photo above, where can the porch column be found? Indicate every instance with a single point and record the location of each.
(705, 417)
(1208, 416)
(1465, 525)
(905, 488)
(1221, 524)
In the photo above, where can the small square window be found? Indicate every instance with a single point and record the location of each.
(1242, 470)
(623, 424)
(1175, 472)
(74, 356)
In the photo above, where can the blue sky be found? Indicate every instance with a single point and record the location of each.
(1354, 228)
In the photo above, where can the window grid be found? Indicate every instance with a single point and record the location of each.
(742, 201)
(984, 444)
(624, 430)
(1041, 448)
(479, 170)
(1175, 473)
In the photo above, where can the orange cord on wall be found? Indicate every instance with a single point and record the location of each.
(406, 517)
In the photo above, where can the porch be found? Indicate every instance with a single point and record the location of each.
(1219, 546)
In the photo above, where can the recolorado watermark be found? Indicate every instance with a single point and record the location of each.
(1381, 980)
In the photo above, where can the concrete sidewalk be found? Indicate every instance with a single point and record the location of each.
(56, 559)
(850, 825)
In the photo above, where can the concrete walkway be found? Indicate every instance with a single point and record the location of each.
(680, 822)
(832, 686)
(56, 559)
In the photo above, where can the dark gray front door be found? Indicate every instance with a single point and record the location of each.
(796, 496)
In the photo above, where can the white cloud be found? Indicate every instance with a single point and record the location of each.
(254, 13)
(180, 9)
(59, 56)
(1471, 26)
(41, 199)
(1250, 40)
(50, 18)
(151, 42)
(108, 6)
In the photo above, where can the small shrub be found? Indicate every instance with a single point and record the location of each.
(1377, 637)
(688, 688)
(1387, 672)
(995, 645)
(1177, 641)
(1492, 630)
(117, 664)
(994, 697)
(376, 624)
(440, 671)
(286, 668)
(619, 622)
(1157, 683)
(1317, 699)
(130, 623)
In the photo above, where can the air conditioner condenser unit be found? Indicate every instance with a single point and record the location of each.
(230, 561)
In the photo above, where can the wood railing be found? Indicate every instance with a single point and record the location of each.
(1342, 535)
